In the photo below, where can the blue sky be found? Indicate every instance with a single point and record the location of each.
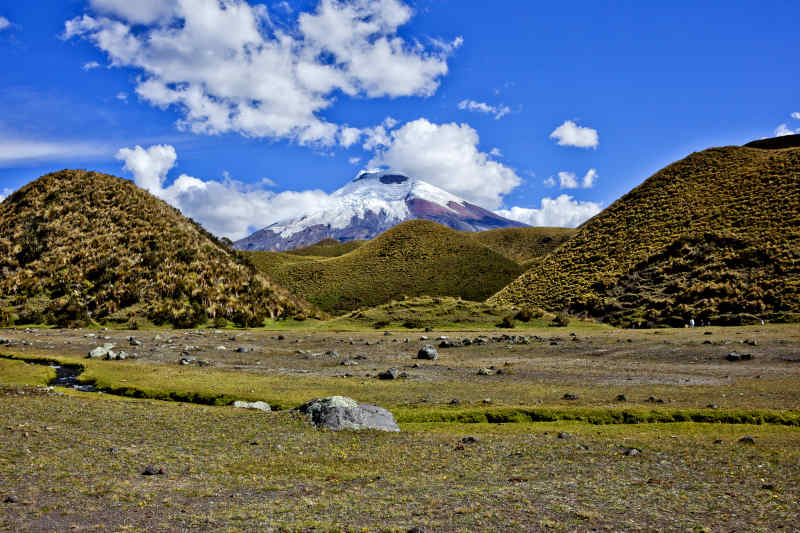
(248, 113)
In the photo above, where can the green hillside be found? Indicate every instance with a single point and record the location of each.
(415, 258)
(715, 237)
(79, 246)
(523, 244)
(327, 248)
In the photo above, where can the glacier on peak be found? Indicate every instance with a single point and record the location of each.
(374, 201)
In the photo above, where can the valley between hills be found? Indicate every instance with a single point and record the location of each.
(537, 379)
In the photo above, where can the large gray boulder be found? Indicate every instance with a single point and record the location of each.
(339, 412)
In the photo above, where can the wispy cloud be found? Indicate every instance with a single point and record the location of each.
(482, 107)
(90, 65)
(16, 150)
(4, 23)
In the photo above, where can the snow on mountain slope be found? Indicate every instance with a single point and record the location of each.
(369, 205)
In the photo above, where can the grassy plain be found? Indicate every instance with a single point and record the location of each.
(74, 460)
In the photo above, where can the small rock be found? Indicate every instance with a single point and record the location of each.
(281, 337)
(242, 349)
(711, 406)
(718, 441)
(392, 373)
(151, 470)
(10, 499)
(747, 440)
(621, 398)
(332, 353)
(767, 486)
(733, 356)
(469, 440)
(387, 333)
(570, 396)
(564, 435)
(349, 362)
(428, 352)
(751, 342)
(485, 372)
(418, 529)
(423, 338)
(134, 342)
(221, 347)
(260, 406)
(630, 452)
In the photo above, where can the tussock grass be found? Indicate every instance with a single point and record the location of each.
(78, 247)
(714, 237)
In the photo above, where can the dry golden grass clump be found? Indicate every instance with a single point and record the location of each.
(415, 258)
(79, 246)
(714, 237)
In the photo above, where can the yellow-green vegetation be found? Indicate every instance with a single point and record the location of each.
(79, 247)
(327, 248)
(76, 463)
(523, 244)
(415, 258)
(440, 312)
(18, 372)
(714, 237)
(696, 442)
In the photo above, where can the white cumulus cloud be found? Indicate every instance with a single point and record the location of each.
(568, 180)
(447, 156)
(5, 194)
(796, 115)
(571, 134)
(4, 23)
(563, 211)
(482, 107)
(784, 129)
(227, 208)
(227, 68)
(90, 65)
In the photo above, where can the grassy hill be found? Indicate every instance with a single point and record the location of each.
(523, 244)
(715, 237)
(415, 258)
(327, 248)
(79, 246)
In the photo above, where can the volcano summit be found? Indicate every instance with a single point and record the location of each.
(371, 204)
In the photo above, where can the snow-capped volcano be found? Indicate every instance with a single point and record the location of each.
(369, 205)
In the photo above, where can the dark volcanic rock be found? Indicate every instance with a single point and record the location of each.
(428, 352)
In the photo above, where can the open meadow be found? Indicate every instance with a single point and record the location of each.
(576, 428)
